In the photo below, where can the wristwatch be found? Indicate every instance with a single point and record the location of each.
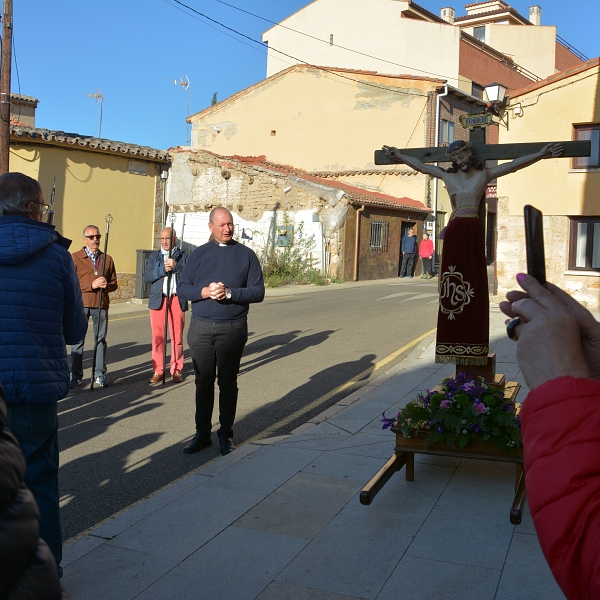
(227, 294)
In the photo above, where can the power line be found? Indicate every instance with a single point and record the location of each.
(297, 60)
(391, 62)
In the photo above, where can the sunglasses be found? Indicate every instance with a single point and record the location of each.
(93, 237)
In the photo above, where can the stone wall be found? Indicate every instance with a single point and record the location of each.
(126, 290)
(511, 256)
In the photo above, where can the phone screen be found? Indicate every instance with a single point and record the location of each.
(534, 242)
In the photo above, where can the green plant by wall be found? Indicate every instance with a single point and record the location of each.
(293, 264)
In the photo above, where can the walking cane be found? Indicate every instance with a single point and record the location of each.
(108, 220)
(167, 299)
(50, 213)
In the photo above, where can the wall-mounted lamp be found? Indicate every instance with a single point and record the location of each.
(496, 97)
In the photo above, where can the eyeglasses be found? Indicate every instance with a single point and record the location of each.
(46, 206)
(165, 239)
(93, 237)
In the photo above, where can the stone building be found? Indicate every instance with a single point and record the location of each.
(273, 204)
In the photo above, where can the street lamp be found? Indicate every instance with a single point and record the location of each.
(496, 96)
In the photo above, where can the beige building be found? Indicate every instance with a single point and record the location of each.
(95, 177)
(394, 36)
(563, 107)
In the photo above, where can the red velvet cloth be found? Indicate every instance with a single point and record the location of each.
(561, 441)
(464, 315)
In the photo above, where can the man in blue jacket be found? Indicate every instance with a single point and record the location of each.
(409, 249)
(41, 310)
(221, 278)
(158, 267)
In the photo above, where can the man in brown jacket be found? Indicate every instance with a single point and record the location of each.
(88, 264)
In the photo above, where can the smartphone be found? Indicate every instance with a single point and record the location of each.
(534, 243)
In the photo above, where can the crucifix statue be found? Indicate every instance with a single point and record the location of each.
(463, 316)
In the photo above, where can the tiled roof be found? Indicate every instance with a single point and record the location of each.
(480, 3)
(301, 67)
(86, 142)
(489, 13)
(427, 13)
(24, 98)
(590, 64)
(355, 194)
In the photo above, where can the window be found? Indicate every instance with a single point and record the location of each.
(447, 132)
(477, 90)
(588, 132)
(379, 235)
(479, 33)
(584, 247)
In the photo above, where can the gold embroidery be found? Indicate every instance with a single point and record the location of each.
(455, 293)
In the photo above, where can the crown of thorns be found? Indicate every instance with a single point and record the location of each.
(452, 153)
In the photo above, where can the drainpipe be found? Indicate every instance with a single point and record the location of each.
(357, 241)
(435, 186)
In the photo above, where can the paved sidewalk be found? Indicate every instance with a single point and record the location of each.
(280, 519)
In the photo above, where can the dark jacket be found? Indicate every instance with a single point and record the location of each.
(85, 272)
(155, 274)
(40, 311)
(234, 265)
(409, 244)
(27, 567)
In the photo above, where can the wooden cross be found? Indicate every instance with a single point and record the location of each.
(488, 152)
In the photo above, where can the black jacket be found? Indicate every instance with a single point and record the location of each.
(27, 567)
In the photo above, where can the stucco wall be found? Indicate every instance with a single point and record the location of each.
(317, 121)
(375, 28)
(88, 186)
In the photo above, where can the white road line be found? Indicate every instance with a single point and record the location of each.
(396, 295)
(420, 297)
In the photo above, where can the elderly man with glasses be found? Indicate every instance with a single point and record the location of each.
(160, 264)
(41, 308)
(88, 263)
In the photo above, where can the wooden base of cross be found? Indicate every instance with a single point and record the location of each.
(406, 448)
(488, 371)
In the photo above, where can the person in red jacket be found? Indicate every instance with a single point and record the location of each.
(558, 350)
(426, 255)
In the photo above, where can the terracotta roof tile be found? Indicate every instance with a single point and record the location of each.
(87, 141)
(590, 64)
(489, 13)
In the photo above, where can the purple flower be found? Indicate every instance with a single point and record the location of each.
(478, 407)
(440, 428)
(387, 423)
(446, 404)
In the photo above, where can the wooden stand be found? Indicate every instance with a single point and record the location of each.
(406, 448)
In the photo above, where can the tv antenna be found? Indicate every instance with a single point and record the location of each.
(98, 95)
(184, 86)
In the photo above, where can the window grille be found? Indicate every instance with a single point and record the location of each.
(379, 235)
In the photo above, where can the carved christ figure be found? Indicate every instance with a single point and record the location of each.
(463, 317)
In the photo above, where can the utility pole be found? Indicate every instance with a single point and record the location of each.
(5, 85)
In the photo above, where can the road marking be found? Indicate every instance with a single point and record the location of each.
(315, 403)
(396, 295)
(420, 297)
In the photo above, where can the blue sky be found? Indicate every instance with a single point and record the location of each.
(131, 49)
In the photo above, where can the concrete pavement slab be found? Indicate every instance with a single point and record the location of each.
(113, 573)
(338, 464)
(355, 554)
(420, 579)
(313, 442)
(279, 590)
(218, 569)
(526, 573)
(302, 506)
(180, 528)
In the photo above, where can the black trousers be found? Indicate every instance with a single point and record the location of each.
(216, 350)
(427, 266)
(407, 265)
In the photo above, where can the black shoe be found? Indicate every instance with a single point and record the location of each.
(227, 445)
(199, 442)
(75, 383)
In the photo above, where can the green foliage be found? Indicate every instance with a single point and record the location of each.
(292, 264)
(214, 99)
(463, 409)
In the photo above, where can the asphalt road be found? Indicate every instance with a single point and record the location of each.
(122, 443)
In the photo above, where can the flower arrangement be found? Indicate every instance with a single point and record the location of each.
(463, 409)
